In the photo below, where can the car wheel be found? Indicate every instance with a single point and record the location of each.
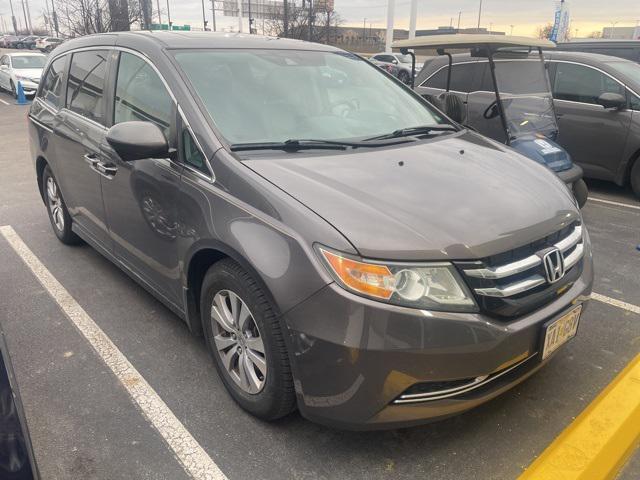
(635, 178)
(404, 77)
(14, 92)
(58, 213)
(245, 339)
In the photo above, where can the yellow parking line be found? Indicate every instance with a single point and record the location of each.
(599, 442)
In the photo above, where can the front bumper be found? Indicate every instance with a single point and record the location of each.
(353, 358)
(30, 88)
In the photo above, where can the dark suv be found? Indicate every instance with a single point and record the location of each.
(342, 246)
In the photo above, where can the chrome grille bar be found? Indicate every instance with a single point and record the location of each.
(504, 271)
(513, 288)
(571, 243)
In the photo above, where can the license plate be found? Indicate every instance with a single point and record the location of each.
(560, 331)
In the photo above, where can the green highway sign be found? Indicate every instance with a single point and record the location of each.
(165, 26)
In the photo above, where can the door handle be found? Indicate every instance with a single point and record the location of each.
(91, 159)
(105, 169)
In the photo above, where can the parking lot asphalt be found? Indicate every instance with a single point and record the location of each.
(84, 424)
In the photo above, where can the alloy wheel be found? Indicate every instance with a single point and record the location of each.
(55, 204)
(238, 342)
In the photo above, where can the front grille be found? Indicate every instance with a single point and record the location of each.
(516, 282)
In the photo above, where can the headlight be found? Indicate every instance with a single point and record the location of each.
(430, 286)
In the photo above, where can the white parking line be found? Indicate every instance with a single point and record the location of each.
(195, 461)
(619, 204)
(616, 303)
(4, 101)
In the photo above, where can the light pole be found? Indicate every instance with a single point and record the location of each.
(413, 19)
(459, 18)
(390, 12)
(364, 31)
(159, 14)
(613, 25)
(55, 19)
(204, 18)
(213, 11)
(479, 14)
(512, 28)
(13, 19)
(168, 15)
(26, 2)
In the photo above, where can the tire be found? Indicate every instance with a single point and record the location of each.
(581, 192)
(57, 210)
(269, 395)
(635, 178)
(14, 92)
(404, 77)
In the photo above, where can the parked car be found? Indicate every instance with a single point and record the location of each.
(47, 44)
(597, 100)
(342, 245)
(511, 103)
(6, 40)
(17, 461)
(29, 42)
(26, 42)
(16, 42)
(627, 49)
(24, 67)
(402, 64)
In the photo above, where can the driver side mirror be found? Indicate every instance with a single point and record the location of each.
(138, 140)
(612, 101)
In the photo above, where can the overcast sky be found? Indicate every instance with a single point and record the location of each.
(525, 15)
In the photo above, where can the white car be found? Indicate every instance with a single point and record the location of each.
(23, 67)
(46, 44)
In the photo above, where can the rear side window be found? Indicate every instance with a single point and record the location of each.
(578, 83)
(141, 95)
(85, 89)
(461, 78)
(52, 91)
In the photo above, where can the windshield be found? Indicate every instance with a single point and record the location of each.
(276, 95)
(28, 61)
(629, 69)
(526, 96)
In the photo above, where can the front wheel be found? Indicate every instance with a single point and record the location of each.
(14, 92)
(58, 213)
(245, 339)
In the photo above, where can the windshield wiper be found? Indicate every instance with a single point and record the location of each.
(411, 131)
(306, 144)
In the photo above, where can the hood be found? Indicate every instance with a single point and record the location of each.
(32, 73)
(457, 197)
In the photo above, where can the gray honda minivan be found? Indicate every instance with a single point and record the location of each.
(342, 246)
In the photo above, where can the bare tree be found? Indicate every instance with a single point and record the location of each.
(595, 34)
(84, 17)
(325, 23)
(544, 32)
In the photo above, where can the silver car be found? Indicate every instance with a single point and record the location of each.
(401, 62)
